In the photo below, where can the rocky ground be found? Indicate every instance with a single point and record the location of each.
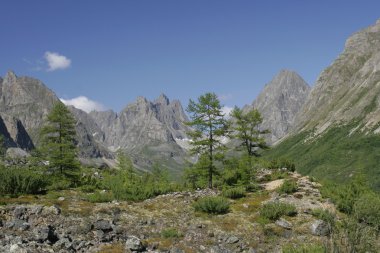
(64, 222)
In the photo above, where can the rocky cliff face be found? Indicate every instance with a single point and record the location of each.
(349, 89)
(146, 130)
(24, 105)
(279, 102)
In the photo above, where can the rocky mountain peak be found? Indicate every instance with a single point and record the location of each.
(10, 77)
(162, 99)
(280, 101)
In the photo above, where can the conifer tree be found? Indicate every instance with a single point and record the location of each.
(246, 128)
(58, 139)
(210, 126)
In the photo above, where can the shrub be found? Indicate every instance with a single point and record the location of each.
(234, 193)
(212, 205)
(324, 215)
(17, 181)
(274, 210)
(253, 187)
(170, 233)
(289, 186)
(367, 209)
(99, 197)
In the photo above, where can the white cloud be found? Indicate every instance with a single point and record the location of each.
(56, 61)
(84, 104)
(226, 110)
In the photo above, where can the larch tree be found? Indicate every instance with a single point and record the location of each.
(58, 139)
(209, 128)
(246, 128)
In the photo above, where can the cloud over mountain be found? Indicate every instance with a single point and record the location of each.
(84, 104)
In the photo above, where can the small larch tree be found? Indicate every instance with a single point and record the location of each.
(246, 128)
(58, 139)
(209, 127)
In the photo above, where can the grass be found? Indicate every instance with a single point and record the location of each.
(304, 248)
(274, 210)
(288, 187)
(171, 233)
(334, 155)
(234, 193)
(212, 205)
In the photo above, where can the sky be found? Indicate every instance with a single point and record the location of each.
(103, 54)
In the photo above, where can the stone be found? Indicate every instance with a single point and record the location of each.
(103, 225)
(20, 213)
(284, 223)
(15, 248)
(47, 234)
(232, 239)
(51, 210)
(320, 228)
(133, 243)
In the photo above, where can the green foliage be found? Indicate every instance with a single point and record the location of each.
(100, 197)
(234, 193)
(15, 181)
(274, 210)
(367, 209)
(212, 205)
(288, 187)
(246, 125)
(124, 163)
(335, 155)
(209, 125)
(171, 233)
(345, 195)
(283, 163)
(58, 139)
(304, 248)
(325, 215)
(2, 147)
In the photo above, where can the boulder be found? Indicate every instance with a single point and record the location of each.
(134, 244)
(320, 228)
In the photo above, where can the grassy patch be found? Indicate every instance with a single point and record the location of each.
(274, 210)
(335, 155)
(212, 205)
(288, 187)
(234, 193)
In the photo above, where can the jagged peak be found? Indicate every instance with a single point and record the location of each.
(162, 99)
(10, 76)
(141, 100)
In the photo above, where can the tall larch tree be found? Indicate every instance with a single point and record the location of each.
(58, 139)
(210, 126)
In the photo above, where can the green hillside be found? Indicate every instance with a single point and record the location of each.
(336, 155)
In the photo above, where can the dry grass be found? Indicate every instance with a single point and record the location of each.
(112, 248)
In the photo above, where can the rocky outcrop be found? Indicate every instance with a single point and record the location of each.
(279, 102)
(349, 89)
(24, 105)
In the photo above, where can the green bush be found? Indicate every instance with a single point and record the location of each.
(324, 214)
(274, 210)
(253, 187)
(234, 193)
(170, 233)
(305, 248)
(212, 205)
(367, 209)
(100, 197)
(289, 186)
(17, 181)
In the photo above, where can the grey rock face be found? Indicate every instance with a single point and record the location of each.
(134, 244)
(348, 89)
(320, 228)
(279, 102)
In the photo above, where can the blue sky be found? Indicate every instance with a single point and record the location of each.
(113, 51)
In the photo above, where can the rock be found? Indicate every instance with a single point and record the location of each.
(20, 213)
(47, 234)
(103, 225)
(51, 210)
(61, 199)
(36, 209)
(218, 249)
(176, 250)
(284, 223)
(320, 228)
(134, 244)
(15, 248)
(232, 239)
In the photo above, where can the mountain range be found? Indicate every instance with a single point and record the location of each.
(330, 129)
